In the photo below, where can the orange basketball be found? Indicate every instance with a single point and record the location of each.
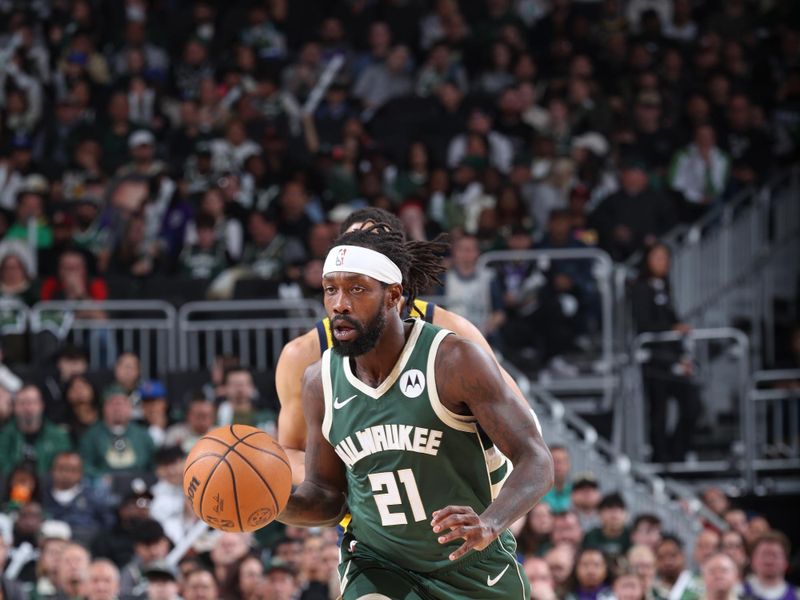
(237, 478)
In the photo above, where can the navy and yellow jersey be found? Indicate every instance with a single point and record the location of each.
(421, 310)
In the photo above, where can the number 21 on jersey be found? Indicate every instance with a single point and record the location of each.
(387, 494)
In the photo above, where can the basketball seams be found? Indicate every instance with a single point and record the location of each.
(260, 476)
(249, 435)
(235, 494)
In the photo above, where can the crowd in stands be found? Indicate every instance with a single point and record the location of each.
(181, 149)
(143, 141)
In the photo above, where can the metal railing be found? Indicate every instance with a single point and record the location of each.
(254, 330)
(773, 408)
(720, 379)
(677, 505)
(14, 315)
(109, 328)
(602, 270)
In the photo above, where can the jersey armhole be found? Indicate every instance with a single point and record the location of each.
(327, 389)
(460, 422)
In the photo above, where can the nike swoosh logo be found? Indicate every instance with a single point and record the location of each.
(492, 582)
(337, 405)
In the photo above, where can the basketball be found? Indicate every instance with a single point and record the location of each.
(237, 478)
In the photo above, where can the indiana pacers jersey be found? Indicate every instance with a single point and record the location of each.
(421, 310)
(406, 455)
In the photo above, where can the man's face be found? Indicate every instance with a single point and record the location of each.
(769, 560)
(117, 410)
(200, 417)
(200, 585)
(103, 582)
(280, 585)
(69, 367)
(706, 544)
(720, 575)
(586, 498)
(67, 471)
(559, 559)
(149, 553)
(357, 310)
(290, 552)
(561, 465)
(567, 530)
(613, 518)
(162, 589)
(240, 389)
(537, 571)
(28, 408)
(126, 371)
(29, 519)
(466, 253)
(71, 265)
(669, 560)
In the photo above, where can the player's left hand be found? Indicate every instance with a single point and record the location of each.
(463, 522)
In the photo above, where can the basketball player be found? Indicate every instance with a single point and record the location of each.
(400, 418)
(303, 351)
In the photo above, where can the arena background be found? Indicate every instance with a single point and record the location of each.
(619, 180)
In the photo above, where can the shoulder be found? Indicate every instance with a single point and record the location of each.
(461, 353)
(301, 352)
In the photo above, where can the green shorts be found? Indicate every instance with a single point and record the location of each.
(492, 574)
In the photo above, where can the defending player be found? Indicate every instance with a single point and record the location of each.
(305, 350)
(400, 417)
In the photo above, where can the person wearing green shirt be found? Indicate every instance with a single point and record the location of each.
(613, 535)
(30, 205)
(239, 404)
(29, 436)
(559, 496)
(115, 443)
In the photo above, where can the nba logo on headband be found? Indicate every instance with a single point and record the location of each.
(340, 256)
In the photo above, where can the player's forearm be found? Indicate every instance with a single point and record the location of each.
(297, 460)
(311, 505)
(530, 480)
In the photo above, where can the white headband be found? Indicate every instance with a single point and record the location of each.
(357, 259)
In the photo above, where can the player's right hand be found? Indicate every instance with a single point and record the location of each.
(463, 522)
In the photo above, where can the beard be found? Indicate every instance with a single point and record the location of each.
(368, 334)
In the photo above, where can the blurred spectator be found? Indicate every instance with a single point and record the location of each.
(30, 437)
(673, 579)
(499, 152)
(161, 582)
(613, 535)
(472, 292)
(155, 410)
(200, 418)
(567, 529)
(133, 257)
(733, 545)
(117, 544)
(540, 578)
(239, 404)
(69, 362)
(559, 497)
(380, 82)
(769, 561)
(646, 531)
(668, 372)
(705, 544)
(590, 577)
(700, 172)
(627, 586)
(73, 282)
(104, 583)
(200, 585)
(534, 537)
(228, 550)
(22, 487)
(720, 578)
(246, 579)
(82, 405)
(70, 499)
(116, 444)
(585, 499)
(642, 560)
(10, 589)
(633, 217)
(168, 497)
(715, 500)
(204, 259)
(73, 572)
(150, 545)
(561, 560)
(280, 581)
(268, 251)
(16, 278)
(127, 374)
(51, 548)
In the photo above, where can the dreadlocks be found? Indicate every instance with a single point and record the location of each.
(419, 262)
(372, 215)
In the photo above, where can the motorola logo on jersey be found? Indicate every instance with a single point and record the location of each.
(412, 383)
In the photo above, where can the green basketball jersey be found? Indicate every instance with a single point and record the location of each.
(406, 454)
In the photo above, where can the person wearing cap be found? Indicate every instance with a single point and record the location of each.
(613, 535)
(585, 498)
(142, 149)
(54, 537)
(150, 545)
(280, 581)
(67, 497)
(30, 436)
(162, 581)
(155, 410)
(116, 444)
